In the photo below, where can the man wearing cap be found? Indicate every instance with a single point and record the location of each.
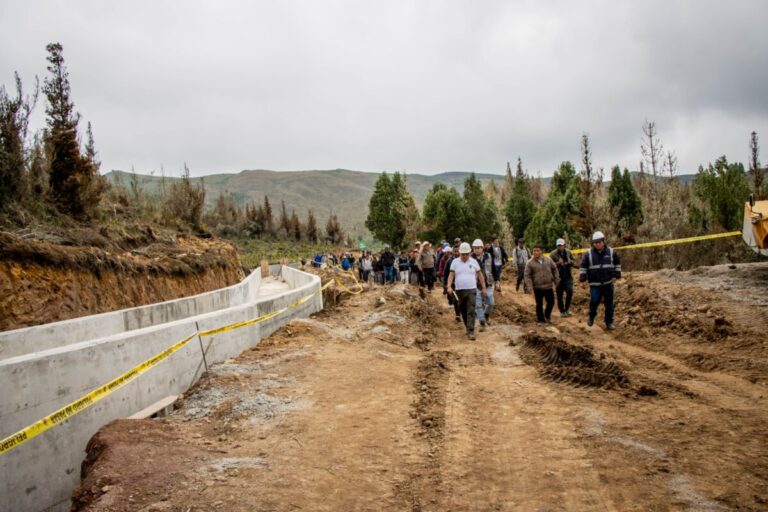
(484, 302)
(564, 261)
(463, 278)
(520, 256)
(542, 277)
(601, 268)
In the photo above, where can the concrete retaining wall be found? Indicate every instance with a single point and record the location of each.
(57, 334)
(40, 474)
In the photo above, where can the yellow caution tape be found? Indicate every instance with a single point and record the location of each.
(81, 404)
(670, 242)
(341, 285)
(88, 400)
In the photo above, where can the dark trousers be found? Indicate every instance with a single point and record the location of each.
(455, 303)
(429, 277)
(496, 273)
(565, 287)
(467, 307)
(547, 294)
(419, 277)
(602, 293)
(520, 276)
(389, 274)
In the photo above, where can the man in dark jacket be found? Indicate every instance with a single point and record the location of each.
(564, 261)
(499, 256)
(601, 268)
(388, 262)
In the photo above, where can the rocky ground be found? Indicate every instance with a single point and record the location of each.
(384, 405)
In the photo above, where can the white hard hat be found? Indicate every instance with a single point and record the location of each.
(598, 235)
(477, 243)
(560, 241)
(464, 248)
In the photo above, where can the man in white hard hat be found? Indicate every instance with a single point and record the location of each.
(484, 303)
(564, 261)
(601, 268)
(463, 278)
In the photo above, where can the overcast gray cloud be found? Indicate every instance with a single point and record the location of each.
(421, 86)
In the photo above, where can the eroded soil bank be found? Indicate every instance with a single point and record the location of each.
(43, 282)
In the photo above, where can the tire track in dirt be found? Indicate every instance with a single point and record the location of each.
(692, 440)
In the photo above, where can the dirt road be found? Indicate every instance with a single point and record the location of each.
(388, 407)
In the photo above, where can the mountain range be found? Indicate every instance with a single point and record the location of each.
(340, 191)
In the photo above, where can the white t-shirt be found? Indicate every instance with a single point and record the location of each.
(465, 273)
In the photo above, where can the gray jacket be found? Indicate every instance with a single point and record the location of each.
(541, 274)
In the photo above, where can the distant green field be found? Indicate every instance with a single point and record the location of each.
(252, 252)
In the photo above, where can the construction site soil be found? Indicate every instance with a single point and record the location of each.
(54, 278)
(381, 403)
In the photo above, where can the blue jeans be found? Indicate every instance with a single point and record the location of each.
(602, 293)
(389, 274)
(484, 312)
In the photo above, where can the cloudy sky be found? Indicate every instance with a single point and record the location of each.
(421, 86)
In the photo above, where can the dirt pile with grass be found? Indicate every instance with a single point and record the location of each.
(50, 278)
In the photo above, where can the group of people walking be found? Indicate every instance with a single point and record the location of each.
(471, 273)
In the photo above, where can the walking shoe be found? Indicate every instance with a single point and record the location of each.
(471, 336)
(548, 320)
(564, 314)
(539, 324)
(458, 318)
(610, 327)
(590, 321)
(487, 321)
(568, 312)
(482, 326)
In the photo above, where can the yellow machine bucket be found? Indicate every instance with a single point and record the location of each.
(755, 231)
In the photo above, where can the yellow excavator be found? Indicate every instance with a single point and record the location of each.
(755, 230)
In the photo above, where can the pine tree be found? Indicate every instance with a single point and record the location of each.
(481, 214)
(444, 214)
(334, 233)
(624, 202)
(269, 219)
(284, 227)
(311, 227)
(388, 209)
(721, 188)
(519, 209)
(557, 217)
(296, 230)
(754, 168)
(14, 121)
(74, 182)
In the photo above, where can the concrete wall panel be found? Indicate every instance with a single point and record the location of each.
(40, 474)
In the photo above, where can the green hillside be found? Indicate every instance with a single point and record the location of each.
(346, 193)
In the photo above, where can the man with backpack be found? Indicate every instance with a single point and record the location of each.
(601, 268)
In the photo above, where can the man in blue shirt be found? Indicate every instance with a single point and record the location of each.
(601, 268)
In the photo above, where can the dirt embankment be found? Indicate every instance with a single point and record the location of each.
(44, 281)
(382, 404)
